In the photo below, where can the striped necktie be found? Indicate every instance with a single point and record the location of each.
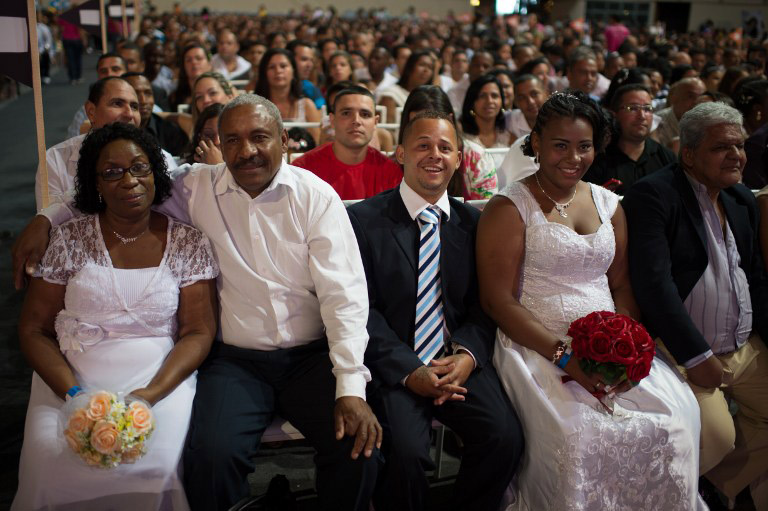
(428, 338)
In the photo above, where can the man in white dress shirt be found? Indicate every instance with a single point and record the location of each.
(294, 307)
(227, 61)
(111, 99)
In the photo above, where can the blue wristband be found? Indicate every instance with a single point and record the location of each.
(564, 359)
(74, 391)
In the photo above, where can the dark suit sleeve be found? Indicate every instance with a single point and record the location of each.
(387, 356)
(650, 267)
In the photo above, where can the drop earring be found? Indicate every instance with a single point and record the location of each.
(536, 159)
(472, 113)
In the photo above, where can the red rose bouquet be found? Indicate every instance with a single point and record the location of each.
(612, 345)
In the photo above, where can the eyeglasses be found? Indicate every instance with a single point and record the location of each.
(137, 170)
(646, 109)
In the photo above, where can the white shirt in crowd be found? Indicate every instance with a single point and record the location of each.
(218, 65)
(457, 94)
(515, 123)
(515, 165)
(291, 270)
(61, 160)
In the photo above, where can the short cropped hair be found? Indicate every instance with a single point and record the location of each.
(255, 100)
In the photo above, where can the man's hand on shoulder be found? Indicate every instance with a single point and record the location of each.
(29, 249)
(353, 417)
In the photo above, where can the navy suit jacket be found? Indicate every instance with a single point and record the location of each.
(668, 255)
(389, 244)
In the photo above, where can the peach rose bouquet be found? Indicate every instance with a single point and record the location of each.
(105, 431)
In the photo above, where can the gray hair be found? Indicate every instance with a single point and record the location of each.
(255, 100)
(578, 54)
(696, 121)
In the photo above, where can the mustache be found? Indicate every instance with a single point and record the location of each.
(254, 161)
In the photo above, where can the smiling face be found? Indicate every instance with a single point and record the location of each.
(252, 146)
(354, 120)
(529, 96)
(635, 125)
(488, 103)
(719, 160)
(208, 91)
(429, 155)
(118, 103)
(129, 196)
(565, 150)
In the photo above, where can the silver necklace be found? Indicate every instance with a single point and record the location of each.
(125, 240)
(558, 206)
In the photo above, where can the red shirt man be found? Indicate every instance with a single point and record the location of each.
(348, 164)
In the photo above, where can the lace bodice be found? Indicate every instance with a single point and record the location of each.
(564, 273)
(94, 307)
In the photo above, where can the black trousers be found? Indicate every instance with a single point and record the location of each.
(73, 49)
(487, 425)
(238, 393)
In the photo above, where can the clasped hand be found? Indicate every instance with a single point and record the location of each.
(442, 380)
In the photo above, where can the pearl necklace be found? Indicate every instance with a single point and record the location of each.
(558, 206)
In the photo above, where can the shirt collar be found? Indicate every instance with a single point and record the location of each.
(415, 203)
(698, 188)
(285, 176)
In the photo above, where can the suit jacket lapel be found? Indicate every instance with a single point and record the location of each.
(453, 239)
(405, 231)
(691, 204)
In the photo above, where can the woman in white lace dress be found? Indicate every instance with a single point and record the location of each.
(124, 301)
(552, 249)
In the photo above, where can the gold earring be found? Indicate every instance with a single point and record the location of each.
(759, 115)
(472, 113)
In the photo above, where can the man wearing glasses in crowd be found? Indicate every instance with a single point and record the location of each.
(632, 154)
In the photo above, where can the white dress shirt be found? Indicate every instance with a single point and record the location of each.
(62, 167)
(290, 266)
(218, 65)
(457, 94)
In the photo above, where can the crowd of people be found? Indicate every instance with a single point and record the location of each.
(193, 250)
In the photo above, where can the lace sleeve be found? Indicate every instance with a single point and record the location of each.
(191, 258)
(607, 202)
(56, 266)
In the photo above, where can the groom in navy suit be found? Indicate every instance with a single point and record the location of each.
(430, 343)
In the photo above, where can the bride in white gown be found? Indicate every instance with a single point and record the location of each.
(124, 301)
(552, 249)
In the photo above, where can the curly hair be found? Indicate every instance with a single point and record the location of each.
(468, 121)
(572, 104)
(86, 192)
